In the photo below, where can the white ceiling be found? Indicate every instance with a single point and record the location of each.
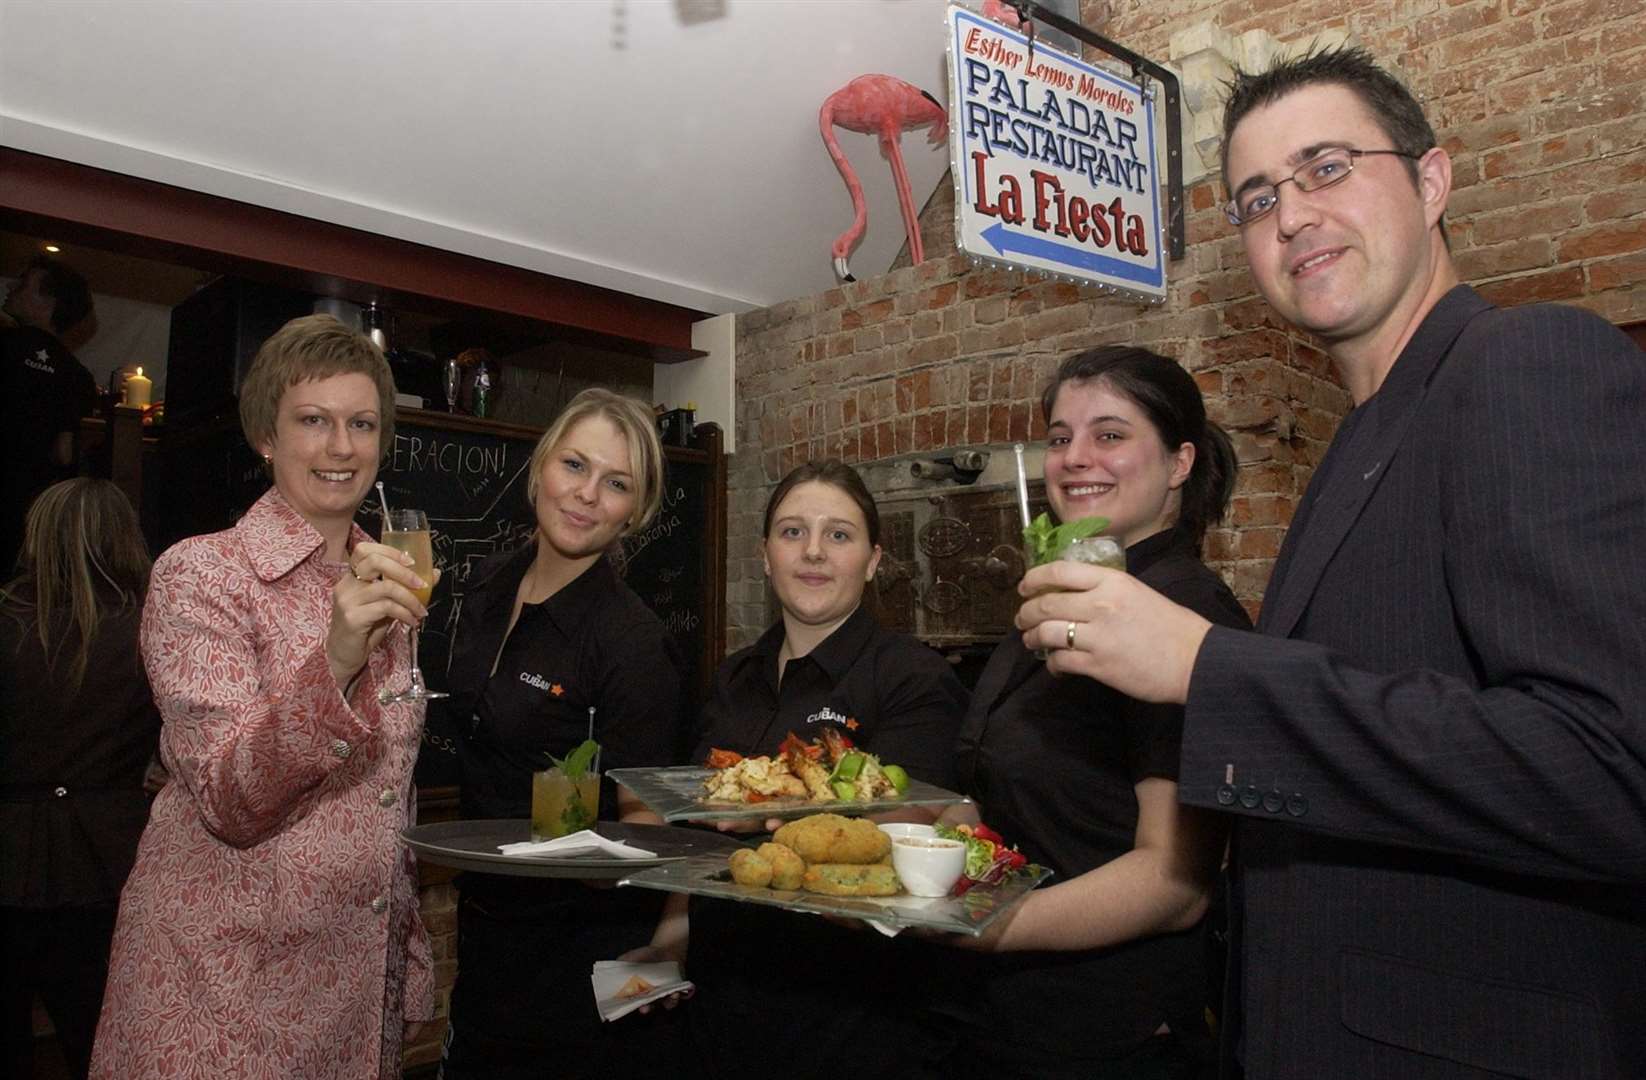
(608, 141)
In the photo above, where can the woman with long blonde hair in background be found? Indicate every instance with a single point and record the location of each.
(77, 729)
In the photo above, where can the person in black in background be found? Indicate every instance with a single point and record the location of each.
(1102, 974)
(797, 994)
(77, 728)
(46, 390)
(548, 632)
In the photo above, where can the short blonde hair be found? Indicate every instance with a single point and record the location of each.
(311, 347)
(638, 423)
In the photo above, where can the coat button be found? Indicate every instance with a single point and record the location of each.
(1249, 797)
(1225, 794)
(341, 749)
(388, 798)
(1273, 801)
(1297, 805)
(60, 791)
(379, 904)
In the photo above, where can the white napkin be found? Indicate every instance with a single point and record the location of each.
(611, 976)
(578, 843)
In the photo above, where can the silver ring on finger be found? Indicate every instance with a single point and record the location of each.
(1068, 635)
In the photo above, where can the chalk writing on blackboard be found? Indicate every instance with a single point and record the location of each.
(668, 519)
(472, 487)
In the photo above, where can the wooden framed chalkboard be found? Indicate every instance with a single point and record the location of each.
(469, 476)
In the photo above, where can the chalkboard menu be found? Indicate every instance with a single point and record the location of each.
(469, 476)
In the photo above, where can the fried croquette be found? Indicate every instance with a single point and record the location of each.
(830, 838)
(748, 868)
(787, 867)
(842, 879)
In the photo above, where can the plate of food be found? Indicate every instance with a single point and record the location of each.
(827, 864)
(801, 778)
(473, 846)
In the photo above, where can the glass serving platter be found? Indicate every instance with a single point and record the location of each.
(472, 846)
(708, 875)
(676, 794)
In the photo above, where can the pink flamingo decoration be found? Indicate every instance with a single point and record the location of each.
(1001, 11)
(885, 106)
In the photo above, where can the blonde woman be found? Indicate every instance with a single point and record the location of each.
(270, 928)
(77, 727)
(548, 632)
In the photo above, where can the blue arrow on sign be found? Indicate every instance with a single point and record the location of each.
(1004, 240)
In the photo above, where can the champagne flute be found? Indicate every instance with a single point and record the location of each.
(408, 531)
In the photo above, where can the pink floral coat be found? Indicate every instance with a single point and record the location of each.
(270, 927)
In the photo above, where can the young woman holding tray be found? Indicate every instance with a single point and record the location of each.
(548, 632)
(775, 978)
(1102, 973)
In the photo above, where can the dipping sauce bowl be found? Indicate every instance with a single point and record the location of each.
(928, 865)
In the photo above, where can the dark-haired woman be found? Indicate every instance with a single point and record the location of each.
(1102, 973)
(77, 728)
(799, 995)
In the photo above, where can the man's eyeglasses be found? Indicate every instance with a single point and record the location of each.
(1321, 171)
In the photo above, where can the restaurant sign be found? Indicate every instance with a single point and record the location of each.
(1053, 161)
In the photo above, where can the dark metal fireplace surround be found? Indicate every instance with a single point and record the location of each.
(953, 547)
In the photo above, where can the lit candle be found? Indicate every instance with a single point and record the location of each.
(137, 390)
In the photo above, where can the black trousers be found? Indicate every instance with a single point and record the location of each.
(61, 954)
(523, 1005)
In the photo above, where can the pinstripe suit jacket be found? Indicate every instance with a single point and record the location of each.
(1440, 771)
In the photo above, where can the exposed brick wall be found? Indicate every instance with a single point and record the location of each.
(1541, 106)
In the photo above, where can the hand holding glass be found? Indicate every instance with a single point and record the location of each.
(408, 531)
(1102, 551)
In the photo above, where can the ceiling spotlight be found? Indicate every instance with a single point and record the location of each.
(53, 248)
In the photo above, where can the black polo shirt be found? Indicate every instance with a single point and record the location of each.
(888, 693)
(46, 391)
(853, 1000)
(593, 643)
(1052, 762)
(527, 944)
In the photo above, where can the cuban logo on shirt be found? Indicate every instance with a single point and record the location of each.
(827, 715)
(532, 679)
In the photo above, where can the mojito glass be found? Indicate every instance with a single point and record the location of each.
(562, 805)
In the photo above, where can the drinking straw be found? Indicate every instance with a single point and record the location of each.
(1022, 484)
(595, 766)
(383, 498)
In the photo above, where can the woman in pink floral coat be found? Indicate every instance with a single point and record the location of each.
(270, 927)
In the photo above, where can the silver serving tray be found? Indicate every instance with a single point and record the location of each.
(675, 793)
(709, 875)
(472, 846)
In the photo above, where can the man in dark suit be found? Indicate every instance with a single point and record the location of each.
(1435, 742)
